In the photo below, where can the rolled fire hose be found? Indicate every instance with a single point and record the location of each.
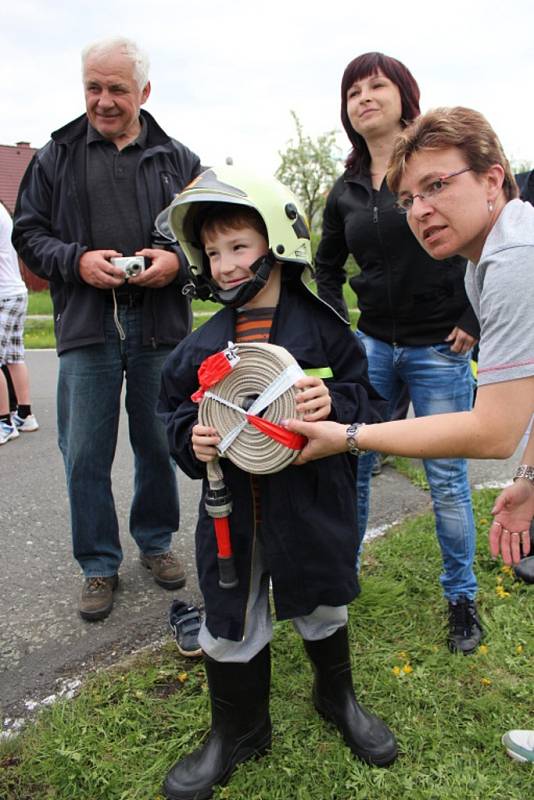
(245, 391)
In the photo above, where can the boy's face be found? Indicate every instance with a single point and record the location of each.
(231, 253)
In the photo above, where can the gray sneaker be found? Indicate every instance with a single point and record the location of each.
(96, 599)
(166, 569)
(25, 424)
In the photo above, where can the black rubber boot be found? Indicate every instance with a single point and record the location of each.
(333, 695)
(240, 728)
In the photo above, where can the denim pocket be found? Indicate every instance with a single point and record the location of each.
(443, 352)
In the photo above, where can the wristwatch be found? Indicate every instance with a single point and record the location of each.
(524, 471)
(352, 439)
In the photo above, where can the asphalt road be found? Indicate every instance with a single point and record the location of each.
(42, 639)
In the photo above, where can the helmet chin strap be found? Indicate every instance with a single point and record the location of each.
(261, 269)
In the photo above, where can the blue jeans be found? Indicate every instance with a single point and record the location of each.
(88, 405)
(439, 381)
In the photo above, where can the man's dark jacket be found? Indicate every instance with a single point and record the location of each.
(404, 296)
(52, 230)
(308, 513)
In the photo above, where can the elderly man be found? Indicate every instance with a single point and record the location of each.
(89, 196)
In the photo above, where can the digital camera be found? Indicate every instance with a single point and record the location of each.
(130, 265)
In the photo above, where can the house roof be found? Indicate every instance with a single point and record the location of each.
(13, 162)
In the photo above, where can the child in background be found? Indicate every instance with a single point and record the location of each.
(248, 245)
(13, 306)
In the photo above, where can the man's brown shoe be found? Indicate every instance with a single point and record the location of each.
(167, 571)
(96, 600)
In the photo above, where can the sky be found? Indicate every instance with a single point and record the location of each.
(226, 74)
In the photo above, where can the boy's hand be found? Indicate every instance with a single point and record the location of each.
(313, 402)
(204, 441)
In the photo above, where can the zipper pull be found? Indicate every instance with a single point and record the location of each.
(375, 214)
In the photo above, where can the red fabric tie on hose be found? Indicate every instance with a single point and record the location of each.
(213, 369)
(277, 432)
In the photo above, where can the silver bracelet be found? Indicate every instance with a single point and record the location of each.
(352, 439)
(524, 471)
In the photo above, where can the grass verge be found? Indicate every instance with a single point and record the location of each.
(117, 739)
(39, 333)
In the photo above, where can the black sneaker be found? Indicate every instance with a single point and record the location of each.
(184, 622)
(377, 465)
(465, 630)
(524, 571)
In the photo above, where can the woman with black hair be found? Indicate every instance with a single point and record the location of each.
(415, 319)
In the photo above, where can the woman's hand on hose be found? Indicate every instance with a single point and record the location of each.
(324, 438)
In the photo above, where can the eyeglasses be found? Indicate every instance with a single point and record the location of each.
(404, 204)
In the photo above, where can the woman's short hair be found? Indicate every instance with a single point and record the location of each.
(362, 67)
(459, 127)
(129, 48)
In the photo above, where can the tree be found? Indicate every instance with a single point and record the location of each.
(310, 167)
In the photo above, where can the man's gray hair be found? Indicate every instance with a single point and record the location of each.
(128, 47)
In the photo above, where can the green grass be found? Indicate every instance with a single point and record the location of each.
(39, 303)
(39, 333)
(117, 739)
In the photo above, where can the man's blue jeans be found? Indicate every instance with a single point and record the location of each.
(439, 381)
(88, 404)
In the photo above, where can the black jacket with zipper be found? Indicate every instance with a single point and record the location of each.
(309, 513)
(404, 296)
(52, 230)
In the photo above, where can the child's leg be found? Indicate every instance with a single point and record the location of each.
(240, 727)
(333, 694)
(239, 675)
(258, 626)
(21, 381)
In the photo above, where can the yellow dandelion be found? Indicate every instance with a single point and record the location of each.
(396, 671)
(407, 668)
(483, 521)
(483, 649)
(507, 570)
(403, 654)
(499, 578)
(485, 681)
(182, 677)
(519, 649)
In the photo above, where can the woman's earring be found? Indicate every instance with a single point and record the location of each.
(490, 206)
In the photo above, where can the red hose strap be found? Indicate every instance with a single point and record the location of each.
(277, 432)
(213, 369)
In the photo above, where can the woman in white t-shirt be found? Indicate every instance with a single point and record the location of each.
(13, 306)
(456, 187)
